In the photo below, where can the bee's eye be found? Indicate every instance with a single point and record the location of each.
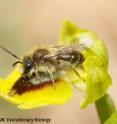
(28, 64)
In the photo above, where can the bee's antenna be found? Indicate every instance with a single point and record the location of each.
(9, 52)
(17, 63)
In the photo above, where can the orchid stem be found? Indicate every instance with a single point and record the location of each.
(105, 107)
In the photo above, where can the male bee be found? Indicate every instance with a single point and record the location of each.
(45, 66)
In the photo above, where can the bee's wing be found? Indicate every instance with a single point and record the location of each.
(78, 47)
(62, 49)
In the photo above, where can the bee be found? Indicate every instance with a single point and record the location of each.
(45, 66)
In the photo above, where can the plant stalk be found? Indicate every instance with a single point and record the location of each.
(105, 107)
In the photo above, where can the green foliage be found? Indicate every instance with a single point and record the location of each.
(95, 66)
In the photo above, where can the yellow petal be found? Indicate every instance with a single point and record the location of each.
(35, 98)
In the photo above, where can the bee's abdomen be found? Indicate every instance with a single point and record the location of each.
(72, 57)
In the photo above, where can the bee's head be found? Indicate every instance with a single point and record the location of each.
(28, 64)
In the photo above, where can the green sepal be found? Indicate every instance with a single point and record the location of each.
(95, 66)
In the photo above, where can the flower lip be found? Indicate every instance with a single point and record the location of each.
(23, 85)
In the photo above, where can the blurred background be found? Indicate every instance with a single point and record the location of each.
(25, 23)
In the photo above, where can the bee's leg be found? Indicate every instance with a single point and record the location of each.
(50, 74)
(74, 69)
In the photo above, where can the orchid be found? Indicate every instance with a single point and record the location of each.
(94, 71)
